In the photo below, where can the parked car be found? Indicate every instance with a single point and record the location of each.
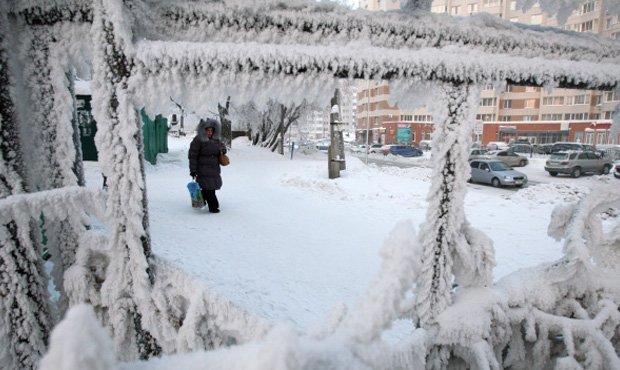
(375, 148)
(386, 148)
(611, 150)
(496, 145)
(576, 163)
(322, 147)
(478, 154)
(425, 144)
(521, 148)
(617, 171)
(509, 157)
(358, 148)
(406, 151)
(496, 173)
(563, 146)
(543, 149)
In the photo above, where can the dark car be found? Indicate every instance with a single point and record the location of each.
(543, 149)
(617, 171)
(521, 148)
(565, 146)
(405, 151)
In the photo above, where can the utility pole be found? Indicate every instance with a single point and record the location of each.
(367, 120)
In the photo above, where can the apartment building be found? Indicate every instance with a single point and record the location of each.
(377, 5)
(517, 108)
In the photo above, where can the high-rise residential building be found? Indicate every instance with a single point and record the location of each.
(519, 111)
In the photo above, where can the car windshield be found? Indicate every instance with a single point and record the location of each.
(559, 156)
(499, 166)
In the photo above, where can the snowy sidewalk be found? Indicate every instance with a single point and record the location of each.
(290, 244)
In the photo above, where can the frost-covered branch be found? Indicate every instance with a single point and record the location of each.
(580, 225)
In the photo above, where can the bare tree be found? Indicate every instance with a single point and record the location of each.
(269, 127)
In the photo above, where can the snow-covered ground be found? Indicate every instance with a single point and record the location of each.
(290, 244)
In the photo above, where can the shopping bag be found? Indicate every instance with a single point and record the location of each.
(196, 194)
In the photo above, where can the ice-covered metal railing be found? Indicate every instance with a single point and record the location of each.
(318, 24)
(120, 26)
(284, 69)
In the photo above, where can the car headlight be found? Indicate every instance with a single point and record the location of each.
(509, 178)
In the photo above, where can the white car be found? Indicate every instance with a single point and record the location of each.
(376, 148)
(358, 148)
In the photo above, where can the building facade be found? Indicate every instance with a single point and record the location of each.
(516, 106)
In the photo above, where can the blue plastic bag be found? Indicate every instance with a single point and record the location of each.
(196, 194)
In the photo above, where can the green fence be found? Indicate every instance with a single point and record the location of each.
(155, 134)
(87, 127)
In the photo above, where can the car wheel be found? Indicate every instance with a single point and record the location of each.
(553, 173)
(576, 172)
(605, 170)
(495, 182)
(522, 163)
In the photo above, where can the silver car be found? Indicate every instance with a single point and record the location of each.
(576, 163)
(509, 157)
(496, 173)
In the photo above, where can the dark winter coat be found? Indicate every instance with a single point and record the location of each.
(203, 155)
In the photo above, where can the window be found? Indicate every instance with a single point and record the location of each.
(580, 100)
(406, 117)
(586, 26)
(530, 103)
(506, 118)
(553, 100)
(513, 5)
(612, 96)
(529, 118)
(485, 117)
(472, 8)
(439, 9)
(455, 10)
(508, 88)
(507, 104)
(490, 2)
(598, 100)
(575, 116)
(536, 19)
(552, 117)
(588, 7)
(487, 102)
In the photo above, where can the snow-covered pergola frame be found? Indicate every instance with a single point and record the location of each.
(143, 51)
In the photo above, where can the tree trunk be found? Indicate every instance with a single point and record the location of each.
(226, 123)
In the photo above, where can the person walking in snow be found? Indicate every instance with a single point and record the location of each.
(204, 164)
